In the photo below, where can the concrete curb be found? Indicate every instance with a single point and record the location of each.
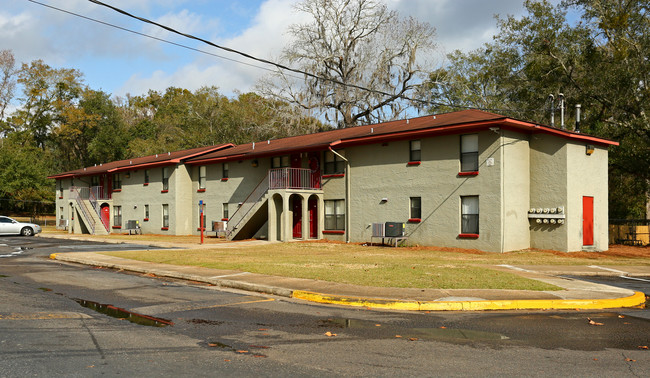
(636, 299)
(231, 284)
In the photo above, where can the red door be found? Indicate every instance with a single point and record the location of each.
(297, 218)
(106, 215)
(313, 218)
(587, 220)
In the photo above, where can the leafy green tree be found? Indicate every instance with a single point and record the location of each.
(47, 92)
(600, 62)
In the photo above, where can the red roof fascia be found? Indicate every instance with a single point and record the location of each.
(410, 134)
(145, 165)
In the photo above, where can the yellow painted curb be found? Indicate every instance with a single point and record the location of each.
(525, 304)
(53, 256)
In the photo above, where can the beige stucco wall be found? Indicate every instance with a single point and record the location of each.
(561, 174)
(242, 180)
(548, 188)
(381, 171)
(515, 184)
(587, 176)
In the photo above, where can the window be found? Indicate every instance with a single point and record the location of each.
(165, 178)
(280, 161)
(416, 208)
(333, 163)
(60, 182)
(224, 171)
(414, 150)
(146, 176)
(94, 181)
(146, 212)
(117, 216)
(335, 214)
(469, 153)
(469, 215)
(202, 176)
(165, 216)
(117, 181)
(61, 212)
(225, 211)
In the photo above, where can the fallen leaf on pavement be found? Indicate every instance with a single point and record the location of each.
(242, 351)
(643, 347)
(443, 327)
(227, 360)
(594, 323)
(398, 335)
(621, 316)
(413, 339)
(329, 334)
(377, 325)
(263, 329)
(595, 359)
(630, 360)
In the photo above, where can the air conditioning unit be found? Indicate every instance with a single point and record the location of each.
(394, 229)
(378, 230)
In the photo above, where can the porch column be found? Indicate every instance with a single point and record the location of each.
(272, 229)
(321, 216)
(306, 226)
(287, 214)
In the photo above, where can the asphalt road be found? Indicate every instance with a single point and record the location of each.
(52, 323)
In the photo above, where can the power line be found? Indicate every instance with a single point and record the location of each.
(265, 61)
(150, 36)
(248, 56)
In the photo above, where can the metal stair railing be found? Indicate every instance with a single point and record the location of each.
(80, 203)
(92, 197)
(249, 203)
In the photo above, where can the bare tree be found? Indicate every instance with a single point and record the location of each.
(7, 80)
(350, 45)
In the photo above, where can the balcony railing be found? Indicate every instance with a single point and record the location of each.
(293, 178)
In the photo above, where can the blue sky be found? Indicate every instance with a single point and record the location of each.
(119, 62)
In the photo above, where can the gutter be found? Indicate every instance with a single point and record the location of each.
(347, 194)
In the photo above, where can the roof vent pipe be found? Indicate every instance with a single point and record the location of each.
(407, 121)
(169, 153)
(268, 141)
(253, 145)
(372, 130)
(551, 98)
(577, 129)
(561, 98)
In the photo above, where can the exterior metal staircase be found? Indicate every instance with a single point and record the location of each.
(278, 178)
(89, 210)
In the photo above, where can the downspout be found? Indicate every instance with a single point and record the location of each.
(347, 194)
(503, 205)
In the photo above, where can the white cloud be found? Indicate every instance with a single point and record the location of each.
(264, 39)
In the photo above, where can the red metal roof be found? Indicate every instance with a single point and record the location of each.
(440, 124)
(448, 123)
(167, 158)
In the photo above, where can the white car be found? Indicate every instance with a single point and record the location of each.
(10, 226)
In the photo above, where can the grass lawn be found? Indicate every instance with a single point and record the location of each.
(379, 266)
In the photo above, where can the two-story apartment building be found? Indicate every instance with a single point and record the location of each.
(467, 179)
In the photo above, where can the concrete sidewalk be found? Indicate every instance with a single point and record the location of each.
(576, 294)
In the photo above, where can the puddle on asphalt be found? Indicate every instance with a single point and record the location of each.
(121, 313)
(420, 333)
